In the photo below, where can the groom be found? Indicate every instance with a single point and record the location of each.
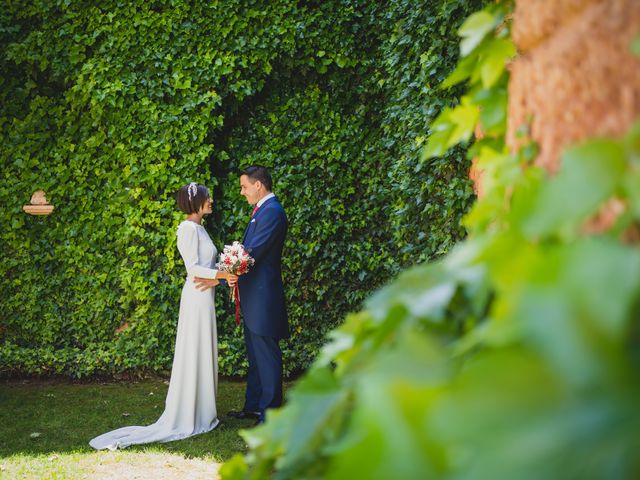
(262, 295)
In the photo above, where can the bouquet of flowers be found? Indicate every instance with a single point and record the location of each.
(234, 259)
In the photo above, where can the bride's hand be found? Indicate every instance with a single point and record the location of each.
(204, 284)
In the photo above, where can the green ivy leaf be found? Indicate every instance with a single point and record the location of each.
(474, 30)
(496, 55)
(635, 46)
(590, 174)
(441, 131)
(464, 118)
(235, 468)
(493, 108)
(463, 71)
(563, 311)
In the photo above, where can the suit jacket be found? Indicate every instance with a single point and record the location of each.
(261, 289)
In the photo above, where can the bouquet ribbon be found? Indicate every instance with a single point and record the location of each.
(236, 298)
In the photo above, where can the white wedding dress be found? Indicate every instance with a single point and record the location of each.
(190, 407)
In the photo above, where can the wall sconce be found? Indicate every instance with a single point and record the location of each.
(39, 205)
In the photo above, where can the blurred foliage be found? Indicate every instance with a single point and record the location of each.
(516, 355)
(111, 106)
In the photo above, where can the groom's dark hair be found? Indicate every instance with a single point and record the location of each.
(258, 172)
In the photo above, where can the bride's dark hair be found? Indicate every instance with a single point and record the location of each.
(191, 197)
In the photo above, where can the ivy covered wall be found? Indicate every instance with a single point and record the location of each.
(110, 107)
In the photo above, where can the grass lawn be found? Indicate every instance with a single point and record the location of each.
(45, 428)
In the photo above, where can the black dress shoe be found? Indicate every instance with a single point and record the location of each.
(244, 414)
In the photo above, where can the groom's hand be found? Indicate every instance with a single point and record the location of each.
(204, 284)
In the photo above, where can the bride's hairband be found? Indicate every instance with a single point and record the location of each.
(192, 190)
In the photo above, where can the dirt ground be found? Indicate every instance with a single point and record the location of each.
(112, 466)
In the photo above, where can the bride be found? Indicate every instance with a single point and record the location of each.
(190, 407)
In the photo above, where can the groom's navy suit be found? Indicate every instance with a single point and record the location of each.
(263, 306)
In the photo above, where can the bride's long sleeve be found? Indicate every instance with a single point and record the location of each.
(188, 248)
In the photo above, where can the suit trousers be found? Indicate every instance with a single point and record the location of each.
(264, 379)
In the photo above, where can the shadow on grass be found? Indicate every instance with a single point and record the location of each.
(39, 418)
